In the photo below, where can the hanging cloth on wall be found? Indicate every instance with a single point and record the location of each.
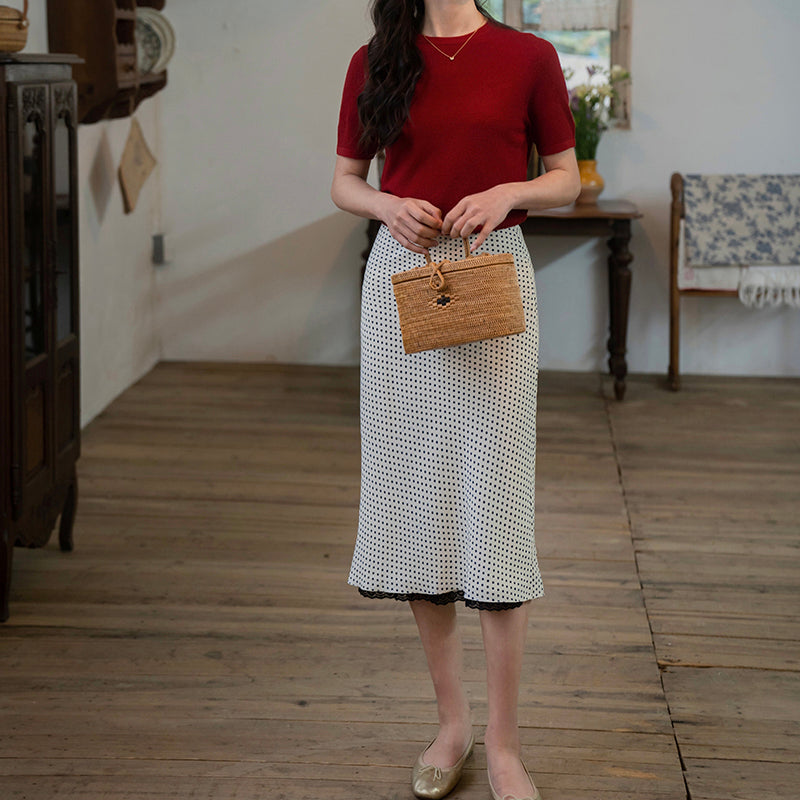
(742, 232)
(579, 15)
(135, 166)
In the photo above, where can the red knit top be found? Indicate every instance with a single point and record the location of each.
(472, 121)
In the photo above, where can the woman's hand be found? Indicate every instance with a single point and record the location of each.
(557, 187)
(416, 224)
(485, 210)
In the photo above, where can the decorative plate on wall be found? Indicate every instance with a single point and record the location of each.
(148, 46)
(155, 40)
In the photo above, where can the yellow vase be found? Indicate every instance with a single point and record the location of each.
(592, 182)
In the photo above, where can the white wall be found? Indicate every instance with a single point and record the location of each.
(713, 83)
(265, 268)
(119, 341)
(119, 338)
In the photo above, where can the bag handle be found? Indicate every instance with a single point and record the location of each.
(23, 21)
(437, 281)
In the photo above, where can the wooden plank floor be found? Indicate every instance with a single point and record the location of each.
(201, 641)
(712, 487)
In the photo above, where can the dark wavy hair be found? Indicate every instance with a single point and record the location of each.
(394, 65)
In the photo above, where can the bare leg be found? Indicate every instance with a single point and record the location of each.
(504, 643)
(442, 644)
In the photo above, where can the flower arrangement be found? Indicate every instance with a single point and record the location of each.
(591, 105)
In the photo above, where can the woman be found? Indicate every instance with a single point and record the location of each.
(455, 100)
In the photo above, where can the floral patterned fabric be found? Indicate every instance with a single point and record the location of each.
(742, 220)
(700, 276)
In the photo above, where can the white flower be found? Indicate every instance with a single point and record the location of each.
(618, 73)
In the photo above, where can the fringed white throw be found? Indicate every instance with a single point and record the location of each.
(702, 276)
(742, 232)
(770, 286)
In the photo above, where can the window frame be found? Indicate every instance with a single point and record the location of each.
(620, 52)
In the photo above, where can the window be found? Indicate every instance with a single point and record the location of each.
(584, 33)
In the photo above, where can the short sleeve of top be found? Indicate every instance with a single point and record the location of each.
(349, 144)
(473, 120)
(549, 114)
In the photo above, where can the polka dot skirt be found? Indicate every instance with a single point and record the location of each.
(448, 446)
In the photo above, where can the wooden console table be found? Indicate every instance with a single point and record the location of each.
(610, 218)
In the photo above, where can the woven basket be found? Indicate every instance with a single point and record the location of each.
(454, 302)
(13, 28)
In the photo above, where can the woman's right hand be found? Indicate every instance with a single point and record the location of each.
(415, 224)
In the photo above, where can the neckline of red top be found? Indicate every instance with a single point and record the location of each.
(460, 35)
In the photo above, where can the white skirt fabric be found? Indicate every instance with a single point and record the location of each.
(448, 447)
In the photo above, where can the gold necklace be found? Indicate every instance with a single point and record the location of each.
(453, 57)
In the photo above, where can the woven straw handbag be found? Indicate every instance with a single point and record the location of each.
(453, 302)
(13, 28)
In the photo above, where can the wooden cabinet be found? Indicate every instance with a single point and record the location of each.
(103, 34)
(39, 315)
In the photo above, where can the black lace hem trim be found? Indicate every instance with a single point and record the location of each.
(442, 599)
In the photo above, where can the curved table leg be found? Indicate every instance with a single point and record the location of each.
(619, 291)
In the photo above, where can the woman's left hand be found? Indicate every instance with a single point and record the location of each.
(485, 210)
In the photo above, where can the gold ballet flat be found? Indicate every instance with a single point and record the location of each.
(430, 781)
(534, 796)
